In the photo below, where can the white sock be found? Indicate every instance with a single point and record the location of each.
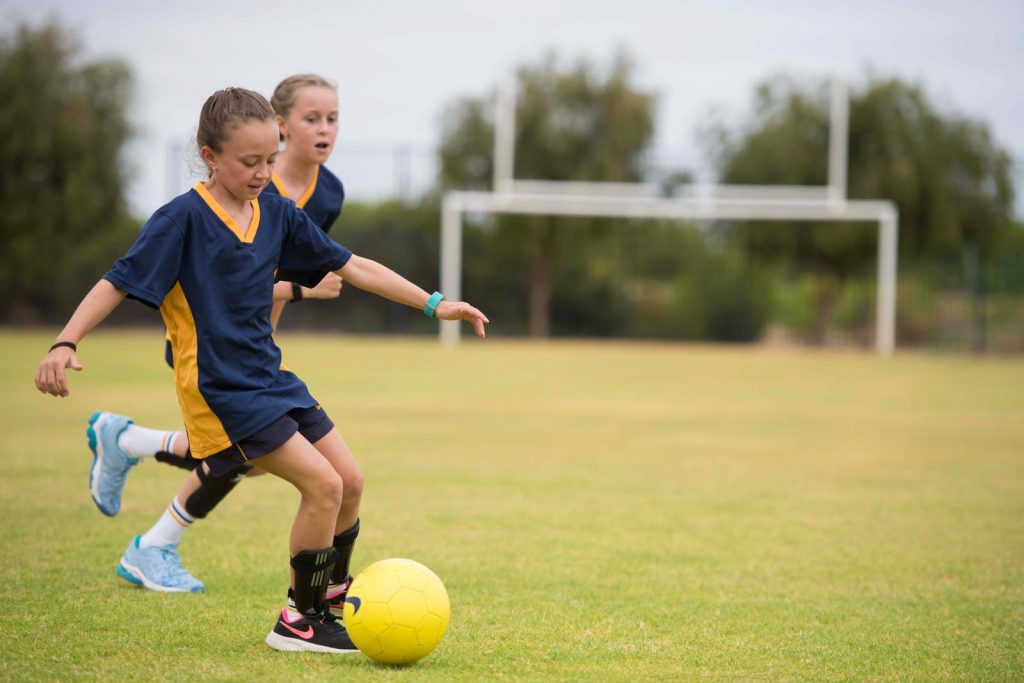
(169, 529)
(142, 442)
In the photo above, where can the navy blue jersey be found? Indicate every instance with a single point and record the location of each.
(322, 200)
(213, 284)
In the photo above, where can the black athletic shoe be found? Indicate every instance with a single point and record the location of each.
(336, 598)
(319, 633)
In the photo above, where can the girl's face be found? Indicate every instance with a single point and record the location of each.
(246, 160)
(311, 126)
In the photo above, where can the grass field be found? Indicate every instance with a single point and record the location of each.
(598, 511)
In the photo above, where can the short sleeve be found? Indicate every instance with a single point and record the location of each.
(308, 254)
(151, 267)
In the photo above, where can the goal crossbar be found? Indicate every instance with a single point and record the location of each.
(883, 212)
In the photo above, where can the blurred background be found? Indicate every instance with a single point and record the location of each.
(100, 101)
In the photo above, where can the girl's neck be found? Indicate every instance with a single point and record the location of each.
(295, 171)
(231, 203)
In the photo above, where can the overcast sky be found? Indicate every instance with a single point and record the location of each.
(398, 64)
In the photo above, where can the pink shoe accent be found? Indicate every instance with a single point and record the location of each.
(338, 590)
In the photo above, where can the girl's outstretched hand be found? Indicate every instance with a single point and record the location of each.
(50, 376)
(460, 310)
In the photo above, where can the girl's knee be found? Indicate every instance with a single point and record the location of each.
(329, 490)
(354, 486)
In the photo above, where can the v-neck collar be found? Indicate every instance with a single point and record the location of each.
(283, 191)
(254, 224)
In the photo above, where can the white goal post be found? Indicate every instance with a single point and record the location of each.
(693, 202)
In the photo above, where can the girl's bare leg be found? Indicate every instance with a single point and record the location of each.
(338, 454)
(320, 486)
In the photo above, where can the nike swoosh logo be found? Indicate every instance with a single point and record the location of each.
(305, 635)
(355, 602)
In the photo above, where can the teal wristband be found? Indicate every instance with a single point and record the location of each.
(432, 303)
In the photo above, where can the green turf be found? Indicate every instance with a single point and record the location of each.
(597, 511)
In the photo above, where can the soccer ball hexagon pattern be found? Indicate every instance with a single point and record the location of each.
(396, 611)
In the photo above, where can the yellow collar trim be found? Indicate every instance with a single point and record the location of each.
(254, 224)
(283, 191)
(279, 184)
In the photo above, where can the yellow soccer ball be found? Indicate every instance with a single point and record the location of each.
(396, 611)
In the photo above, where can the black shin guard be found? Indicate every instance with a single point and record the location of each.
(212, 490)
(344, 543)
(312, 571)
(185, 462)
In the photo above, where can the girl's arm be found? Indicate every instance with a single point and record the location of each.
(100, 302)
(382, 281)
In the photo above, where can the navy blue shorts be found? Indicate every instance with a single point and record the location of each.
(313, 423)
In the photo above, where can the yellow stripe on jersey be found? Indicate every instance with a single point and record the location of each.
(206, 434)
(301, 201)
(254, 224)
(283, 191)
(279, 184)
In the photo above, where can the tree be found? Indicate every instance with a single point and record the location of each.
(951, 182)
(572, 123)
(64, 125)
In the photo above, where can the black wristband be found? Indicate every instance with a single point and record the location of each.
(296, 291)
(70, 345)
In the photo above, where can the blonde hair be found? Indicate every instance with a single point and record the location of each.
(286, 91)
(226, 108)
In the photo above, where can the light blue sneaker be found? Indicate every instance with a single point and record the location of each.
(157, 568)
(110, 464)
